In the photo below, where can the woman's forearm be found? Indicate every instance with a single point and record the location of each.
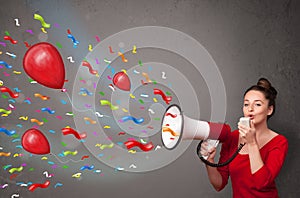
(254, 156)
(215, 177)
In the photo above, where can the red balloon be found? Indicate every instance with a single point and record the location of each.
(43, 63)
(122, 81)
(34, 141)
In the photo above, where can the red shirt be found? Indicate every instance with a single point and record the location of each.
(262, 182)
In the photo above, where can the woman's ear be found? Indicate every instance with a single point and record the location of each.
(270, 110)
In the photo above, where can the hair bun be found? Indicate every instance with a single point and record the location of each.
(263, 82)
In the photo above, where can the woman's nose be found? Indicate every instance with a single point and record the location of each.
(250, 108)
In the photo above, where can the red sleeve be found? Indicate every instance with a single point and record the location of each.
(224, 156)
(272, 164)
(224, 170)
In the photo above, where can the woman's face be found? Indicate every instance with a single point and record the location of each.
(256, 106)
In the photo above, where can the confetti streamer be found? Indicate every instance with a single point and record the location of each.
(134, 143)
(34, 186)
(41, 19)
(70, 131)
(106, 102)
(135, 120)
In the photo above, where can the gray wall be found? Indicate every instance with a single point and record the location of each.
(247, 40)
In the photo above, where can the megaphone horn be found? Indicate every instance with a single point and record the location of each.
(177, 127)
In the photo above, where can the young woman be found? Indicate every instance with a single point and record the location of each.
(258, 163)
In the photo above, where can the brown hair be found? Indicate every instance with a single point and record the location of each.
(270, 93)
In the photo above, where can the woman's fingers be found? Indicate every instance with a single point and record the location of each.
(212, 153)
(243, 130)
(212, 150)
(204, 153)
(204, 148)
(242, 133)
(242, 127)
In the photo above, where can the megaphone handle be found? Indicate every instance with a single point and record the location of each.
(218, 165)
(211, 144)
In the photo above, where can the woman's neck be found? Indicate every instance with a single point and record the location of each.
(261, 129)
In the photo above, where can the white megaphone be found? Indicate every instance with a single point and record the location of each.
(177, 127)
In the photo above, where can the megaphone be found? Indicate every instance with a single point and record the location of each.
(177, 127)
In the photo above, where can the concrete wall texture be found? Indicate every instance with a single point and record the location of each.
(246, 39)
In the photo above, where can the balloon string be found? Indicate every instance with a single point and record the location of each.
(73, 106)
(95, 113)
(52, 154)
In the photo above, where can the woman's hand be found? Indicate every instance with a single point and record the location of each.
(205, 151)
(248, 134)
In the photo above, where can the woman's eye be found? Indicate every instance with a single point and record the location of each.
(258, 105)
(246, 105)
